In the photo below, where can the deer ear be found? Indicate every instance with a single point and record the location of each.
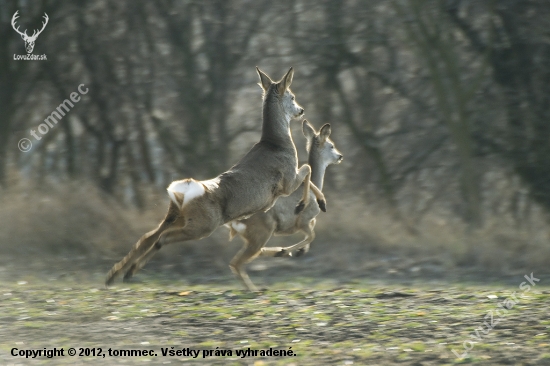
(265, 81)
(309, 131)
(285, 82)
(325, 132)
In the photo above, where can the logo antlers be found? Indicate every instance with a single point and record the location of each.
(29, 41)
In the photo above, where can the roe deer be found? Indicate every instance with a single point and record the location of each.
(267, 171)
(280, 219)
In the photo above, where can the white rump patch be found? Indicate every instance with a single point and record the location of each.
(189, 188)
(238, 226)
(211, 184)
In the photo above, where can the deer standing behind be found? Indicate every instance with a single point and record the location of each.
(281, 218)
(267, 171)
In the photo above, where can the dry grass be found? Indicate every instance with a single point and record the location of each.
(352, 233)
(68, 219)
(77, 220)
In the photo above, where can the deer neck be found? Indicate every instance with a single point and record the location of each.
(276, 125)
(318, 169)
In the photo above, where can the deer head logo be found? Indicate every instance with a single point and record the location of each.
(29, 40)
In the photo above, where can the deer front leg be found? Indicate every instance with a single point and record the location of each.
(255, 233)
(301, 246)
(300, 252)
(275, 252)
(246, 254)
(303, 175)
(287, 251)
(319, 196)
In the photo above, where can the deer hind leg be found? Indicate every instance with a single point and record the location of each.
(144, 244)
(170, 236)
(139, 263)
(254, 238)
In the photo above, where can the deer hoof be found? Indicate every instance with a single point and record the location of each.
(322, 205)
(300, 252)
(283, 253)
(128, 275)
(299, 208)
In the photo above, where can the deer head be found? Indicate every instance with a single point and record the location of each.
(29, 40)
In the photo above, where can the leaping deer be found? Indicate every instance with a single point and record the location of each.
(256, 230)
(269, 170)
(29, 41)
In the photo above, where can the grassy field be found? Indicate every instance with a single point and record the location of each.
(355, 321)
